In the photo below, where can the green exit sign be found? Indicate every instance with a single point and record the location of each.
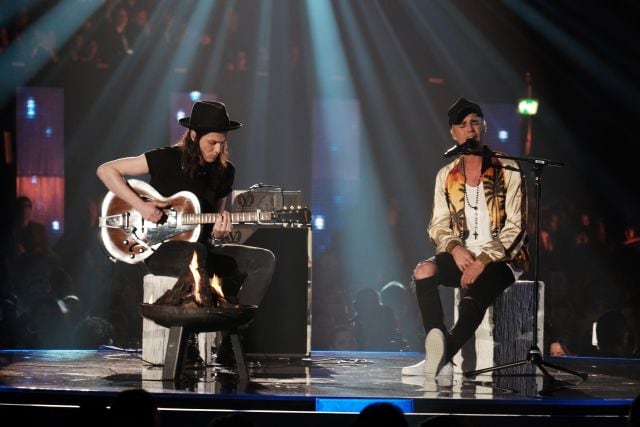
(528, 106)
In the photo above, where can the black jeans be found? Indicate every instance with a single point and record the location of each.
(475, 300)
(245, 271)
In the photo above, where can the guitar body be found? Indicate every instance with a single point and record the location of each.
(129, 238)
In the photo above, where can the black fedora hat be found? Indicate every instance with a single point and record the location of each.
(208, 116)
(459, 110)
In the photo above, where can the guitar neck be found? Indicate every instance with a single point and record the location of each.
(236, 217)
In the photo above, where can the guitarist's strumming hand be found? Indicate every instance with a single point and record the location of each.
(151, 210)
(222, 226)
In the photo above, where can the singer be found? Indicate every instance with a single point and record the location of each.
(478, 227)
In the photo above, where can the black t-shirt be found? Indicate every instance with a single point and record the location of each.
(211, 182)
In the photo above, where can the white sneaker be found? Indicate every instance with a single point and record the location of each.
(417, 369)
(444, 377)
(446, 370)
(436, 348)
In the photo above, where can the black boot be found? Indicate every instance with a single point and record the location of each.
(192, 359)
(429, 304)
(224, 355)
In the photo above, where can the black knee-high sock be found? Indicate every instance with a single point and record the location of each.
(429, 303)
(470, 314)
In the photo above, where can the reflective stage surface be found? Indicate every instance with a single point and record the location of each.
(332, 381)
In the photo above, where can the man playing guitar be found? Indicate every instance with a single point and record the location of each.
(198, 164)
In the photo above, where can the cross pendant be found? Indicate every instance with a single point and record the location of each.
(475, 235)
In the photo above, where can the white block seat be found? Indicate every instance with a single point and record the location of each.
(505, 334)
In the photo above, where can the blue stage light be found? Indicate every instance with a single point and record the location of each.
(31, 108)
(357, 405)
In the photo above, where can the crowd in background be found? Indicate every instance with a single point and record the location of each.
(121, 29)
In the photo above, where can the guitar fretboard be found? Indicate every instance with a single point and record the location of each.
(236, 217)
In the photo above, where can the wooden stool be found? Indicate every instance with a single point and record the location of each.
(506, 331)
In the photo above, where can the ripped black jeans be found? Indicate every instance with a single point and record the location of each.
(475, 300)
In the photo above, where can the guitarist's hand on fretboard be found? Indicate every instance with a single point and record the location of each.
(222, 226)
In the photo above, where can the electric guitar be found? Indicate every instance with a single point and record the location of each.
(128, 237)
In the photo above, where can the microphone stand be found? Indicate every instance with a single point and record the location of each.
(534, 356)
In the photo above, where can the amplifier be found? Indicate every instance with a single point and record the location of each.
(282, 324)
(266, 199)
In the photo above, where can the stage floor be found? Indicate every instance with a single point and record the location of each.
(325, 381)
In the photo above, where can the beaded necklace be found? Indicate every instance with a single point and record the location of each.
(475, 208)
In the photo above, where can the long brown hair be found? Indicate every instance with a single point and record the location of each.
(191, 156)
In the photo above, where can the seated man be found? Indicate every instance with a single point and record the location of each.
(198, 163)
(478, 226)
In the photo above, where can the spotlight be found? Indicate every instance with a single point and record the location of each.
(195, 95)
(318, 222)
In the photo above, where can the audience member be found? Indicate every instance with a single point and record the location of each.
(375, 324)
(81, 254)
(4, 35)
(84, 46)
(395, 295)
(613, 335)
(29, 236)
(134, 408)
(331, 303)
(557, 348)
(92, 332)
(381, 414)
(343, 338)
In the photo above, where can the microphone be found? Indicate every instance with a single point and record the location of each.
(463, 148)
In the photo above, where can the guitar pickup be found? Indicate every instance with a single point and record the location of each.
(115, 221)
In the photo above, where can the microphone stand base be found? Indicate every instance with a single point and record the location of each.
(534, 357)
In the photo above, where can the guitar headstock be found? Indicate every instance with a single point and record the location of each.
(292, 216)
